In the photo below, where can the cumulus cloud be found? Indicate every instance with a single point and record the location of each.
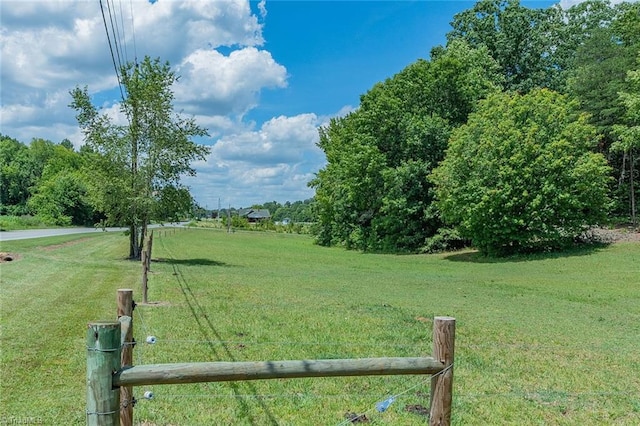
(223, 84)
(49, 47)
(273, 162)
(279, 140)
(172, 27)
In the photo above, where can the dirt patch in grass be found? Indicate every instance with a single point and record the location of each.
(8, 257)
(417, 409)
(614, 235)
(67, 244)
(356, 418)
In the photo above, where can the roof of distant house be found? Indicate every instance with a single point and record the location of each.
(254, 213)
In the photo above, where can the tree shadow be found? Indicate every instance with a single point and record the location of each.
(191, 262)
(211, 335)
(477, 257)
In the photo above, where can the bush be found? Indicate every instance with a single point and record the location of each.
(520, 175)
(446, 239)
(11, 222)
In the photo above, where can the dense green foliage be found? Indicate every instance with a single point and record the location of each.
(138, 166)
(296, 212)
(520, 175)
(628, 134)
(584, 51)
(46, 179)
(374, 193)
(518, 38)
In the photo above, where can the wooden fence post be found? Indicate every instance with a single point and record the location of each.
(149, 247)
(144, 276)
(103, 358)
(444, 331)
(125, 309)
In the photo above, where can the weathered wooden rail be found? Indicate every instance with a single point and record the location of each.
(110, 375)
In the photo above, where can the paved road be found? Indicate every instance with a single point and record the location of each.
(39, 233)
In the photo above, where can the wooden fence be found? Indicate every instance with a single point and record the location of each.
(110, 374)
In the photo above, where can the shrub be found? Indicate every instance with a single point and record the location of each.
(520, 175)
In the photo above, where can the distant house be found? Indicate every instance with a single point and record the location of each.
(255, 215)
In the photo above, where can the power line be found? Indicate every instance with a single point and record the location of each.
(124, 35)
(133, 33)
(113, 59)
(116, 34)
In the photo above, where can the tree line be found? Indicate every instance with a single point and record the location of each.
(517, 135)
(45, 178)
(53, 182)
(124, 174)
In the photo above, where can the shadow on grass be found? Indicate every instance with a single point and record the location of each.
(191, 262)
(212, 336)
(477, 257)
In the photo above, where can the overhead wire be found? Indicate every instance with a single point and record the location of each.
(133, 35)
(124, 34)
(116, 34)
(113, 58)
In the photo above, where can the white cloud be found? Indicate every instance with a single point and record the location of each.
(263, 9)
(254, 166)
(199, 23)
(49, 47)
(280, 140)
(219, 84)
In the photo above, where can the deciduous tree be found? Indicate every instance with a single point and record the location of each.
(137, 163)
(629, 135)
(520, 39)
(521, 174)
(374, 193)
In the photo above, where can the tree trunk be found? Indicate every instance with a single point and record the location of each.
(132, 242)
(633, 190)
(622, 169)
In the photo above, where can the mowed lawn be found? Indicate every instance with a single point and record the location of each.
(548, 339)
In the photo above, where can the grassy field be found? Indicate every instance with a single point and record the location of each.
(540, 340)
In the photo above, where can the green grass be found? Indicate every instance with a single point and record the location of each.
(12, 223)
(540, 340)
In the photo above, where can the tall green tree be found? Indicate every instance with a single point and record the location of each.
(136, 164)
(577, 26)
(536, 48)
(60, 196)
(599, 74)
(601, 66)
(15, 176)
(374, 193)
(521, 174)
(521, 40)
(629, 136)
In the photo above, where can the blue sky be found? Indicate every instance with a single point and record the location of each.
(261, 76)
